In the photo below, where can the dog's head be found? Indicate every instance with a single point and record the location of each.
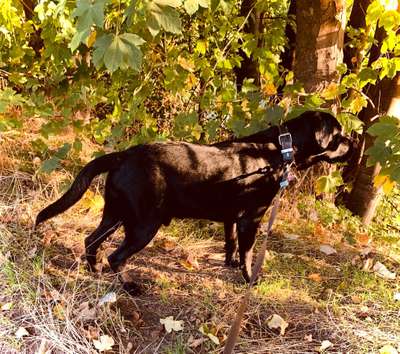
(317, 136)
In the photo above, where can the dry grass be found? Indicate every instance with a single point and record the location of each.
(47, 290)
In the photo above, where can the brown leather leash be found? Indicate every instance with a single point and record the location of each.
(285, 141)
(235, 328)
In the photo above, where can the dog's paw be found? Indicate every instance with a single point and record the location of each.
(234, 263)
(132, 288)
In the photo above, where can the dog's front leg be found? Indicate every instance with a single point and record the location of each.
(247, 229)
(230, 243)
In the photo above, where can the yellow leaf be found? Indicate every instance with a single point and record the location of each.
(388, 186)
(331, 91)
(269, 89)
(186, 64)
(191, 81)
(379, 180)
(91, 39)
(388, 349)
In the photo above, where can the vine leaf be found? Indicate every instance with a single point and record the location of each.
(162, 15)
(118, 51)
(89, 13)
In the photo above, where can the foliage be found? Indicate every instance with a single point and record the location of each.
(154, 69)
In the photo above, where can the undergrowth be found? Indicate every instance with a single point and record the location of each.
(47, 291)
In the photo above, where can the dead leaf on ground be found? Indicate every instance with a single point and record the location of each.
(190, 263)
(108, 298)
(356, 299)
(209, 332)
(388, 349)
(381, 271)
(86, 312)
(194, 343)
(104, 343)
(277, 321)
(308, 338)
(21, 332)
(171, 325)
(7, 306)
(363, 239)
(59, 311)
(315, 277)
(325, 344)
(328, 250)
(166, 244)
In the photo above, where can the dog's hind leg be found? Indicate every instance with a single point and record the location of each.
(108, 225)
(230, 243)
(136, 238)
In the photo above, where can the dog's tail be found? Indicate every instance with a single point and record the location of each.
(81, 184)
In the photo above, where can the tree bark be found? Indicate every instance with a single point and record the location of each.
(365, 197)
(249, 67)
(319, 42)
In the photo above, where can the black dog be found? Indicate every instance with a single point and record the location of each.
(150, 184)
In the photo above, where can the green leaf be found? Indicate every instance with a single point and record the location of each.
(162, 15)
(367, 75)
(374, 11)
(191, 6)
(118, 51)
(89, 13)
(389, 20)
(274, 115)
(328, 184)
(50, 165)
(350, 122)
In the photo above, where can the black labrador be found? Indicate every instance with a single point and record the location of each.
(148, 185)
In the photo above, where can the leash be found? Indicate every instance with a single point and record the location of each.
(285, 140)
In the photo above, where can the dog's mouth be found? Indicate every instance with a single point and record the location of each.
(340, 149)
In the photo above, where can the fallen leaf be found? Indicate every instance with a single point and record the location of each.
(86, 313)
(396, 296)
(104, 343)
(308, 338)
(356, 299)
(7, 306)
(21, 332)
(381, 271)
(108, 298)
(194, 343)
(165, 244)
(326, 249)
(315, 277)
(388, 349)
(325, 344)
(92, 332)
(291, 237)
(363, 239)
(171, 325)
(277, 321)
(209, 333)
(59, 311)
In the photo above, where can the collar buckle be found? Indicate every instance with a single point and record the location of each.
(285, 140)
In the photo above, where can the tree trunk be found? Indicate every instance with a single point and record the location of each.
(364, 196)
(249, 67)
(319, 42)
